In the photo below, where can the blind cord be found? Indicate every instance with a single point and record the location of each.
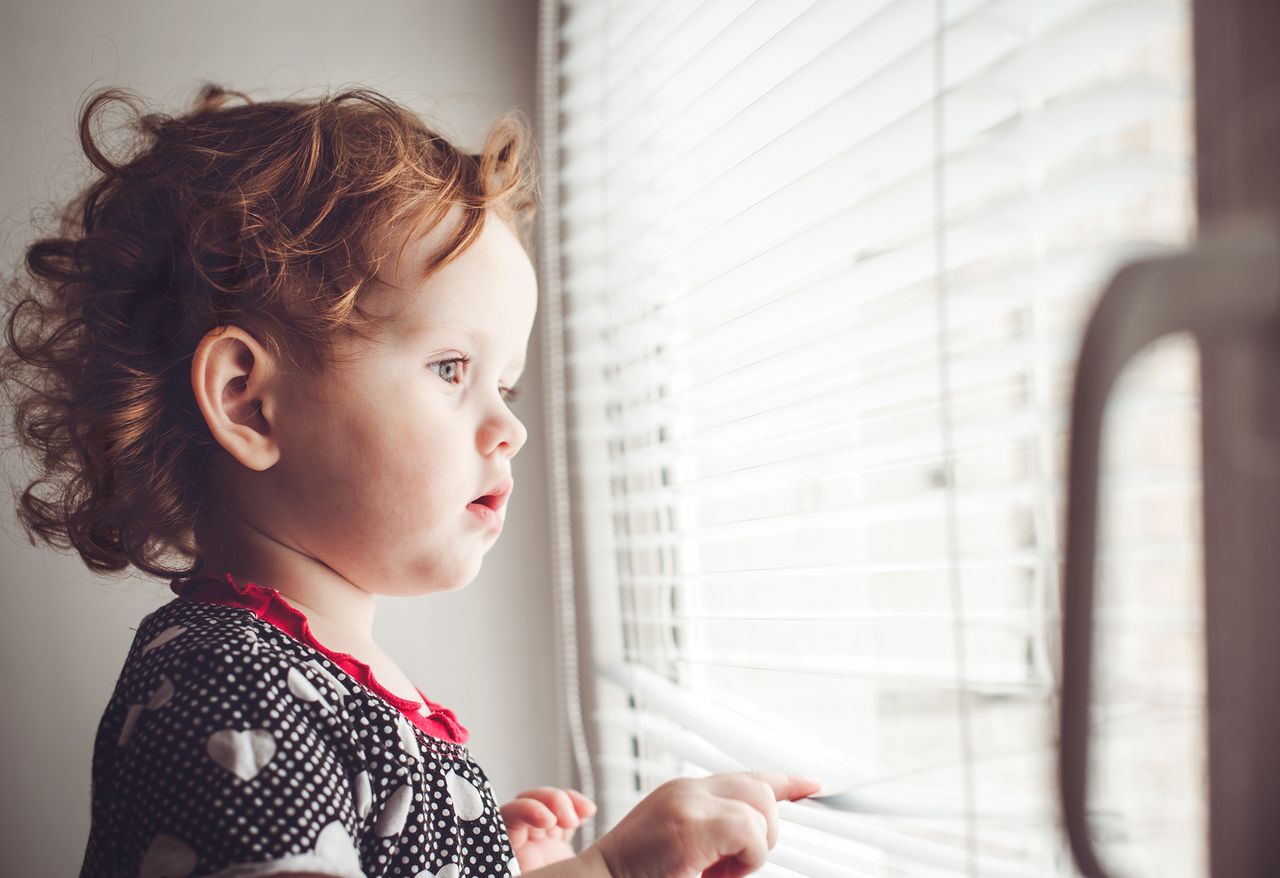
(945, 430)
(572, 751)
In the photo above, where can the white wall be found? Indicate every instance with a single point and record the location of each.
(485, 651)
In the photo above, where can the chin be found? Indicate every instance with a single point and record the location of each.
(434, 579)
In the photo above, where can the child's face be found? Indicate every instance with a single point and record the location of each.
(383, 456)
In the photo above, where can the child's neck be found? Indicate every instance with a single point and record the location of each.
(339, 613)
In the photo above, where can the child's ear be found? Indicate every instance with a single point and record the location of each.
(231, 374)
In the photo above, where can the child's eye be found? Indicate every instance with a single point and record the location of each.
(450, 371)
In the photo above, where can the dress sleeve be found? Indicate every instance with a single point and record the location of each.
(232, 764)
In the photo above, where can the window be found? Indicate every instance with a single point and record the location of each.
(823, 268)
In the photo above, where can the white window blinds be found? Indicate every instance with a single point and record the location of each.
(824, 266)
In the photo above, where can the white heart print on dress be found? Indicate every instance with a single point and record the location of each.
(364, 794)
(395, 811)
(334, 853)
(407, 737)
(303, 688)
(163, 637)
(161, 696)
(159, 699)
(130, 720)
(449, 871)
(335, 846)
(166, 857)
(339, 689)
(243, 753)
(468, 804)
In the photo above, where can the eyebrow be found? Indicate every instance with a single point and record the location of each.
(420, 330)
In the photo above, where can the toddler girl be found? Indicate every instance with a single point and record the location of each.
(268, 356)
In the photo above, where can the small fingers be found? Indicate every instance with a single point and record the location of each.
(746, 829)
(788, 787)
(558, 802)
(584, 806)
(530, 811)
(758, 790)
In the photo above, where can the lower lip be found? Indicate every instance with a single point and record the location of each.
(485, 515)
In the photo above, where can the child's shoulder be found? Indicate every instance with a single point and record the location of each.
(197, 633)
(226, 662)
(225, 654)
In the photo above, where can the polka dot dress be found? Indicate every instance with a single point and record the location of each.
(230, 748)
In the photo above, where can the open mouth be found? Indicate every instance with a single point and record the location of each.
(485, 510)
(495, 498)
(493, 501)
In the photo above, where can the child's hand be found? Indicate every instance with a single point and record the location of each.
(721, 826)
(540, 823)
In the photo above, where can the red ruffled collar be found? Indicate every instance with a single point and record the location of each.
(267, 605)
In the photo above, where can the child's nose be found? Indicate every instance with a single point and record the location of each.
(518, 436)
(502, 429)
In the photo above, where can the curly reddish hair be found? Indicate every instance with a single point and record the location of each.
(272, 216)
